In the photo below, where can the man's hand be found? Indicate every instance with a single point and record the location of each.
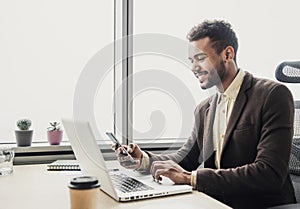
(171, 170)
(134, 157)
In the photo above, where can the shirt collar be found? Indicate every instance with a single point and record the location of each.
(234, 88)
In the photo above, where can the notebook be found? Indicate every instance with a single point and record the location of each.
(113, 180)
(64, 165)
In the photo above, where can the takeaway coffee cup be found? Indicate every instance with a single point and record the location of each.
(84, 192)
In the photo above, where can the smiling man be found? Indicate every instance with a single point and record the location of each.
(242, 134)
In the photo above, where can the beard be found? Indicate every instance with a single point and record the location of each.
(214, 77)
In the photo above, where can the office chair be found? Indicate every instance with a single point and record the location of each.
(289, 72)
(294, 164)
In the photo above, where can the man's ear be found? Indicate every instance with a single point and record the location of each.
(228, 53)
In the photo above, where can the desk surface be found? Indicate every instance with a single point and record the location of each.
(33, 187)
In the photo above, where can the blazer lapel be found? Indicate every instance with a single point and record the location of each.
(238, 108)
(208, 147)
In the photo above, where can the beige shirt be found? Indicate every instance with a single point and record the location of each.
(224, 108)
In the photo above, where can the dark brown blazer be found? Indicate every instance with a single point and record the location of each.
(256, 149)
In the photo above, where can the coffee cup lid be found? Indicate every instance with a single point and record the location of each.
(84, 182)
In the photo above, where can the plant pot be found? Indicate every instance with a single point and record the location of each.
(24, 138)
(54, 137)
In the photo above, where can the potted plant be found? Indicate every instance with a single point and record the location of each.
(24, 135)
(54, 133)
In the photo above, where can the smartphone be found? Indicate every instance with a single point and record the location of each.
(118, 144)
(116, 141)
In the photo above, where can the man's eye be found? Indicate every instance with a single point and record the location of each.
(200, 58)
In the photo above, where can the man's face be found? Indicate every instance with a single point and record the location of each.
(208, 66)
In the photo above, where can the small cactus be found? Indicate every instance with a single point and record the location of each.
(24, 124)
(54, 126)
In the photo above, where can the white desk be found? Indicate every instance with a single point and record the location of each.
(33, 187)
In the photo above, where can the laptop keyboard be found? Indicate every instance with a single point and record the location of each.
(128, 184)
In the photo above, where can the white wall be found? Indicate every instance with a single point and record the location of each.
(44, 47)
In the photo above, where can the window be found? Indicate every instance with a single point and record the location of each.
(45, 45)
(267, 35)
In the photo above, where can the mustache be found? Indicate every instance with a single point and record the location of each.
(199, 73)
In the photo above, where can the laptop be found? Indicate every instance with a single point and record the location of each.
(114, 180)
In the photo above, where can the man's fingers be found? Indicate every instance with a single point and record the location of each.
(131, 147)
(161, 172)
(161, 168)
(114, 146)
(164, 168)
(119, 150)
(129, 156)
(157, 165)
(128, 162)
(122, 158)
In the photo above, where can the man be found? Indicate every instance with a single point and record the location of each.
(242, 134)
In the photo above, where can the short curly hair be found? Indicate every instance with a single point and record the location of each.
(219, 32)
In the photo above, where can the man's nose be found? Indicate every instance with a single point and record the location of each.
(196, 67)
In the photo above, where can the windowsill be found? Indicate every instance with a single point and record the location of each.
(42, 152)
(42, 146)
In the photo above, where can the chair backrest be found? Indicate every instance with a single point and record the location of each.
(289, 72)
(297, 120)
(294, 163)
